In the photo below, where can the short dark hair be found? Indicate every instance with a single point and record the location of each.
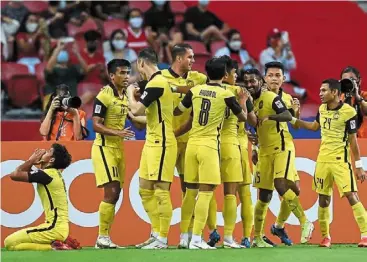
(274, 64)
(149, 55)
(179, 50)
(132, 10)
(61, 155)
(215, 68)
(229, 62)
(115, 63)
(232, 32)
(92, 35)
(113, 36)
(333, 84)
(253, 71)
(351, 69)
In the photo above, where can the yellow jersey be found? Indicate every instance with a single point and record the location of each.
(192, 78)
(113, 109)
(230, 129)
(242, 136)
(52, 192)
(273, 136)
(208, 103)
(158, 100)
(335, 126)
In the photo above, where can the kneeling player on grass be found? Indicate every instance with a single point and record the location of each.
(52, 192)
(202, 158)
(334, 161)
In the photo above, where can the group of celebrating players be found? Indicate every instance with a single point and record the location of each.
(199, 124)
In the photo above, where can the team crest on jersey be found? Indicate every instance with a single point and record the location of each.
(261, 104)
(190, 83)
(336, 115)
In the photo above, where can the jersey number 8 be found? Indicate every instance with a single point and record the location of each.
(204, 112)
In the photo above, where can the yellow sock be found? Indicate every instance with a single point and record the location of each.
(284, 214)
(295, 205)
(261, 209)
(360, 215)
(229, 214)
(106, 216)
(324, 220)
(150, 205)
(212, 215)
(247, 210)
(187, 209)
(30, 246)
(164, 210)
(201, 212)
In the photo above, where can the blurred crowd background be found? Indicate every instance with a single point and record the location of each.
(47, 43)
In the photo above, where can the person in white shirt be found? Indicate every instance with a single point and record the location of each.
(279, 49)
(234, 49)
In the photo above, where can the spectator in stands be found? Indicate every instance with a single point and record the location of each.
(56, 20)
(61, 123)
(59, 71)
(32, 42)
(138, 37)
(9, 27)
(119, 50)
(358, 100)
(15, 10)
(234, 49)
(77, 11)
(203, 25)
(92, 54)
(107, 10)
(279, 49)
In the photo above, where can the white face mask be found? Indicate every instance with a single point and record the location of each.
(31, 27)
(136, 22)
(203, 2)
(159, 2)
(119, 44)
(235, 45)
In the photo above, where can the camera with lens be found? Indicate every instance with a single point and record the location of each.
(70, 101)
(347, 86)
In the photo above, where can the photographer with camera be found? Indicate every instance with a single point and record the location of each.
(63, 120)
(351, 94)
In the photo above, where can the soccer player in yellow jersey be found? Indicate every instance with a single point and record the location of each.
(234, 175)
(52, 192)
(202, 160)
(292, 104)
(276, 154)
(160, 150)
(109, 115)
(338, 124)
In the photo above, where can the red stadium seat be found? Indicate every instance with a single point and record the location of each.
(36, 6)
(179, 18)
(112, 25)
(23, 90)
(88, 25)
(85, 86)
(8, 70)
(178, 7)
(4, 3)
(40, 73)
(142, 5)
(198, 47)
(215, 46)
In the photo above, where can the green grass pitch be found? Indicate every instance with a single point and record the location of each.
(297, 253)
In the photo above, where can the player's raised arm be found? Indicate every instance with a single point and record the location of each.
(239, 111)
(313, 126)
(184, 104)
(295, 111)
(22, 172)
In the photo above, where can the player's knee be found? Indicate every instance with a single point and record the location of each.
(265, 195)
(280, 185)
(112, 196)
(324, 201)
(352, 198)
(192, 186)
(230, 188)
(8, 243)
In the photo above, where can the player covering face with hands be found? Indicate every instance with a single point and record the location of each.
(334, 159)
(109, 115)
(53, 233)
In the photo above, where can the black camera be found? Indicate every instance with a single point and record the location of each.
(70, 101)
(347, 85)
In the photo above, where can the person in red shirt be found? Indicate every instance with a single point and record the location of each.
(138, 37)
(61, 123)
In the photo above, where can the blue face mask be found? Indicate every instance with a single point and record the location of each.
(63, 57)
(203, 2)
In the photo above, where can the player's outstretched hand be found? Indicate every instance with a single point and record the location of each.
(261, 121)
(361, 175)
(35, 158)
(296, 104)
(126, 133)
